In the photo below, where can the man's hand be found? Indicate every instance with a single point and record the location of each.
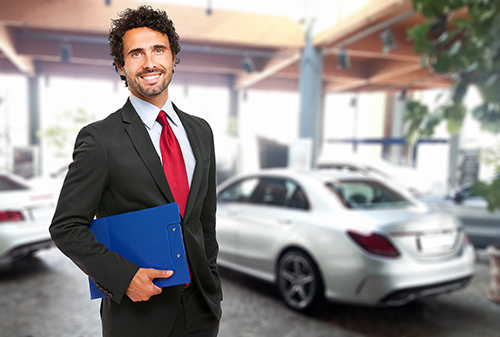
(141, 288)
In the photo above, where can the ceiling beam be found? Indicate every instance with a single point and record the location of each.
(372, 47)
(8, 48)
(271, 69)
(363, 19)
(192, 23)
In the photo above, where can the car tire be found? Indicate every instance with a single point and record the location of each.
(299, 281)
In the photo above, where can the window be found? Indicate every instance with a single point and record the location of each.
(367, 194)
(239, 191)
(270, 191)
(298, 199)
(7, 184)
(266, 191)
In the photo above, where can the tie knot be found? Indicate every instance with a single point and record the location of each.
(162, 118)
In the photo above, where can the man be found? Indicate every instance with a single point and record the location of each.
(117, 168)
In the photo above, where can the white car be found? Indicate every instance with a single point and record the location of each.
(344, 237)
(403, 177)
(25, 215)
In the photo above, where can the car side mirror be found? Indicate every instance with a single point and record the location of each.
(457, 197)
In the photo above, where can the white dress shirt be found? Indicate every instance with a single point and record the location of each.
(148, 114)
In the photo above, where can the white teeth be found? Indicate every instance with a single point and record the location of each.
(150, 77)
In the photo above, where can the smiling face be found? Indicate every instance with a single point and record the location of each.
(148, 64)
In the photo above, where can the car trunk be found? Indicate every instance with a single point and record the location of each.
(428, 238)
(422, 234)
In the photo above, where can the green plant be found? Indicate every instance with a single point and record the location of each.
(491, 157)
(459, 39)
(490, 190)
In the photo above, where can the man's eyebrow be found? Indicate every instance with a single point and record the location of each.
(156, 46)
(162, 46)
(132, 51)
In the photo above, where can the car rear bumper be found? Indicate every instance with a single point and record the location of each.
(403, 296)
(24, 250)
(18, 239)
(400, 281)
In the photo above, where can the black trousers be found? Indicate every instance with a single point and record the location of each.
(194, 318)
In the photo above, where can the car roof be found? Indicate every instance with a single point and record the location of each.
(15, 178)
(318, 175)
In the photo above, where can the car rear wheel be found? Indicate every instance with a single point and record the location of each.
(299, 281)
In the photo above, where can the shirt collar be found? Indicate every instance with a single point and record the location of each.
(149, 112)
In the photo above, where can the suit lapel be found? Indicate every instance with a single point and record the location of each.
(139, 137)
(194, 140)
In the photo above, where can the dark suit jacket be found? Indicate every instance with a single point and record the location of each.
(116, 169)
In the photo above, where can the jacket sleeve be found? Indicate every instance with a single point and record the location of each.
(78, 203)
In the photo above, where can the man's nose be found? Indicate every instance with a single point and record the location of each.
(149, 62)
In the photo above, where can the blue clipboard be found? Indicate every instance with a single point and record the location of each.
(150, 238)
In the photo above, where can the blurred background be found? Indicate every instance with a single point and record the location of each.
(319, 70)
(284, 84)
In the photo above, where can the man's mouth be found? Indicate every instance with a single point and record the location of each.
(151, 78)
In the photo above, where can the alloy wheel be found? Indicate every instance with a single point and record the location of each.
(298, 281)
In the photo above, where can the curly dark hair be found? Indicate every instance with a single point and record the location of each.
(143, 16)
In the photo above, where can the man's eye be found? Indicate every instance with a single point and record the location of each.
(159, 51)
(136, 54)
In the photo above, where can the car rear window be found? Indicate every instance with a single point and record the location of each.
(7, 184)
(367, 194)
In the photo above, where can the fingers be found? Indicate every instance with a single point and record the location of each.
(141, 288)
(155, 273)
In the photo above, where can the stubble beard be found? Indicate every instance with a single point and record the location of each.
(150, 90)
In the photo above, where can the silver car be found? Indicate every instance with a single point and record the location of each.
(481, 225)
(25, 214)
(345, 238)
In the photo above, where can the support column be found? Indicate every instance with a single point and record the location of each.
(311, 95)
(233, 107)
(397, 121)
(34, 118)
(454, 158)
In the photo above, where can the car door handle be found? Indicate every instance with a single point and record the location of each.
(285, 221)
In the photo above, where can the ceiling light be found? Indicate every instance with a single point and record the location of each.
(65, 52)
(343, 59)
(388, 40)
(248, 64)
(403, 94)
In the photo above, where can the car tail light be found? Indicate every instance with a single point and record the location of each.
(374, 243)
(467, 239)
(11, 216)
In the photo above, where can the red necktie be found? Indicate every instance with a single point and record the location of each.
(173, 163)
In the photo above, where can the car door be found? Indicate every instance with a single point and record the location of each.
(268, 221)
(231, 202)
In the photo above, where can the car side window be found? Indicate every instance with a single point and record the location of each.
(270, 191)
(9, 185)
(298, 199)
(266, 191)
(240, 191)
(279, 192)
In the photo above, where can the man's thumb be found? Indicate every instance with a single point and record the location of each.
(162, 273)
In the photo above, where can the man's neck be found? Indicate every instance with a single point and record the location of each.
(157, 100)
